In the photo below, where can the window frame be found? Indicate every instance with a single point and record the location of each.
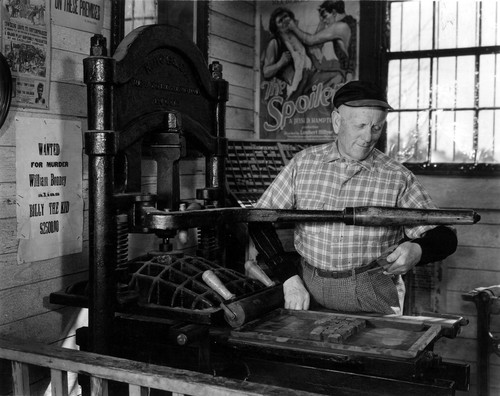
(442, 168)
(201, 22)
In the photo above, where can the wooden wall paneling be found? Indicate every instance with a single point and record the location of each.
(67, 67)
(463, 192)
(59, 326)
(224, 26)
(242, 11)
(479, 235)
(8, 168)
(8, 235)
(15, 275)
(470, 257)
(231, 42)
(239, 119)
(7, 200)
(7, 133)
(241, 97)
(33, 298)
(66, 39)
(463, 280)
(231, 51)
(68, 99)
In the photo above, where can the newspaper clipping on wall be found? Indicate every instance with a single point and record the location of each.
(26, 46)
(308, 49)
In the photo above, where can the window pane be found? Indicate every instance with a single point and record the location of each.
(410, 27)
(139, 13)
(446, 25)
(408, 136)
(456, 24)
(465, 81)
(489, 136)
(426, 12)
(490, 16)
(394, 84)
(395, 15)
(416, 31)
(454, 82)
(444, 82)
(408, 83)
(453, 135)
(467, 31)
(489, 80)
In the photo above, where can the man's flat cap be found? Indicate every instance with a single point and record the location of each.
(361, 94)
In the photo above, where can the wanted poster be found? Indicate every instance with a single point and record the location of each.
(48, 188)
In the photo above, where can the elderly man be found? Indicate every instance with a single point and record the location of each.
(336, 259)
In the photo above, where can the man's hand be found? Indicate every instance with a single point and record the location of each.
(403, 258)
(296, 295)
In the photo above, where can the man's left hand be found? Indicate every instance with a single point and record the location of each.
(403, 258)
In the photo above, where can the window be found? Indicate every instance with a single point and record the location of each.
(139, 13)
(190, 16)
(444, 85)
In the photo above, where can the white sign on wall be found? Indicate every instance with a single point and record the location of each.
(48, 188)
(86, 15)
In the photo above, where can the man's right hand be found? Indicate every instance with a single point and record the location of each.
(296, 295)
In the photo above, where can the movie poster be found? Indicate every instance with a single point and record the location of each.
(308, 49)
(26, 46)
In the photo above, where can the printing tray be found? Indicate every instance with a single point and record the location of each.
(401, 337)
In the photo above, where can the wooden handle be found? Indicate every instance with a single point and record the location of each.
(255, 272)
(216, 285)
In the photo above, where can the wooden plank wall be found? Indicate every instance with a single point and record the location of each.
(25, 310)
(25, 288)
(476, 263)
(232, 42)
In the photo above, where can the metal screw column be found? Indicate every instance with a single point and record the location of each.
(101, 147)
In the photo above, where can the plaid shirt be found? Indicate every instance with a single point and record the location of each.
(319, 178)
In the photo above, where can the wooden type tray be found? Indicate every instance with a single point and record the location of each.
(391, 337)
(252, 165)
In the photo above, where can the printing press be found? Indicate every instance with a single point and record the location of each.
(157, 99)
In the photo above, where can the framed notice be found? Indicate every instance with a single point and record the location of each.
(85, 15)
(306, 51)
(48, 188)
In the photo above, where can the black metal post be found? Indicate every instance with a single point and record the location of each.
(483, 306)
(101, 147)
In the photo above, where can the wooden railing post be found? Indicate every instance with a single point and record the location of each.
(20, 379)
(136, 390)
(98, 386)
(59, 382)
